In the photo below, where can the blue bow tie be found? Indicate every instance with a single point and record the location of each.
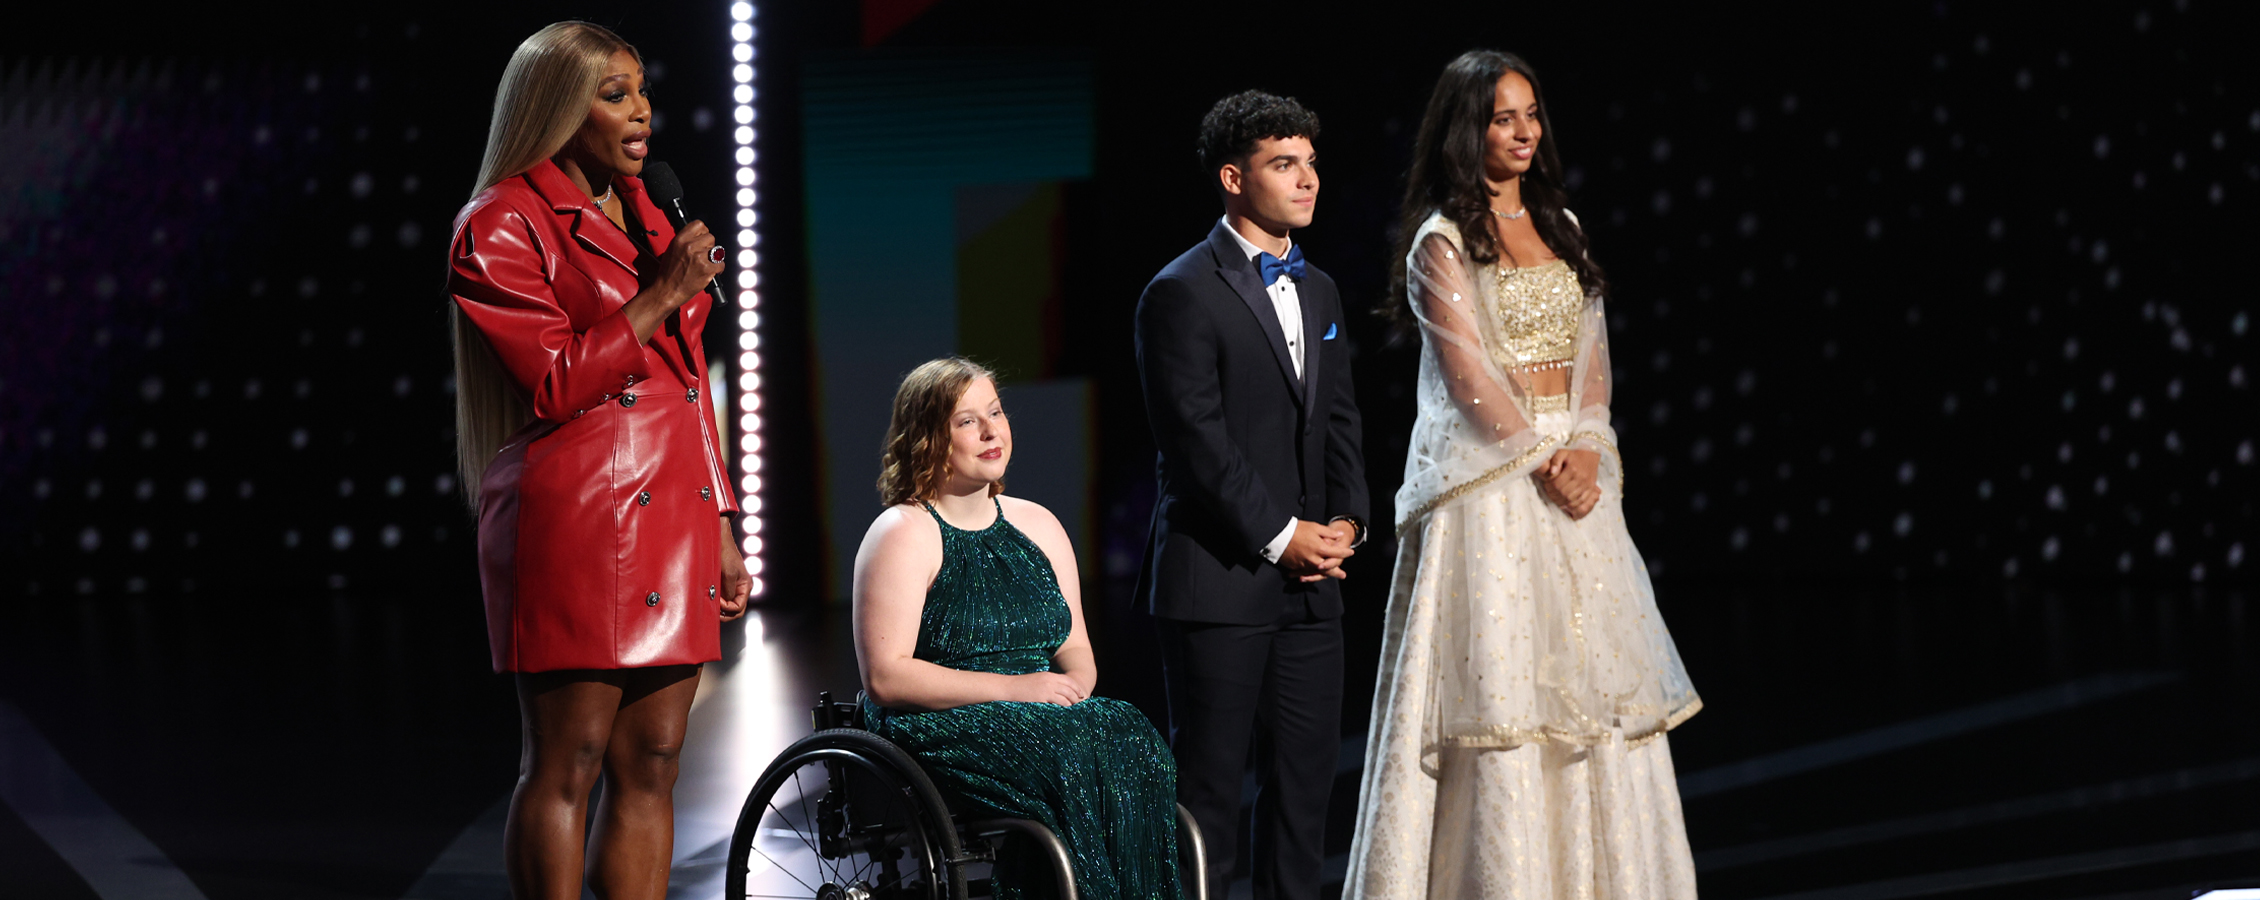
(1271, 268)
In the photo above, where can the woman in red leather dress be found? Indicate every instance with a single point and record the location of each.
(584, 418)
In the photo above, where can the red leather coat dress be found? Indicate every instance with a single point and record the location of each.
(598, 529)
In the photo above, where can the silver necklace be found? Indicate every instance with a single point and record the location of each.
(1517, 214)
(607, 198)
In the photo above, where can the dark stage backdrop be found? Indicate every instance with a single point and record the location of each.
(1901, 294)
(1916, 297)
(1904, 295)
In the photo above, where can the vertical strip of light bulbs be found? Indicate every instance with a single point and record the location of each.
(749, 290)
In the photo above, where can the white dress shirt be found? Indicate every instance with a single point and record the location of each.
(1289, 306)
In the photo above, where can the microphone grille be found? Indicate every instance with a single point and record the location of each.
(660, 182)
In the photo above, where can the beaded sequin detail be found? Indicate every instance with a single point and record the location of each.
(1096, 773)
(1537, 311)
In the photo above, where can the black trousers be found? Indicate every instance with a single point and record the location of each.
(1281, 684)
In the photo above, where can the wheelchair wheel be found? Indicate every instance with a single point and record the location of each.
(844, 815)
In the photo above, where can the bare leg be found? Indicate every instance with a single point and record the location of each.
(568, 719)
(634, 842)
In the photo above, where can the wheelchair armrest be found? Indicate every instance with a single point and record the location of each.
(1194, 849)
(828, 714)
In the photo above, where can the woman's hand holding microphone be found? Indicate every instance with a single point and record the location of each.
(691, 261)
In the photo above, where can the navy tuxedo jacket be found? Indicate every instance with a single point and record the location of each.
(1244, 444)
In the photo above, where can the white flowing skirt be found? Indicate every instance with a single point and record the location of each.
(1517, 745)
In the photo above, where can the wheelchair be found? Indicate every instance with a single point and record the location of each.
(844, 814)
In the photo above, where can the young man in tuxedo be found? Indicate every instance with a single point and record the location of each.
(1246, 370)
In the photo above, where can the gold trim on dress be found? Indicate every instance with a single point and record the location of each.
(1596, 437)
(1508, 737)
(1405, 521)
(1550, 403)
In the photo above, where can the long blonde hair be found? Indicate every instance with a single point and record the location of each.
(915, 459)
(542, 101)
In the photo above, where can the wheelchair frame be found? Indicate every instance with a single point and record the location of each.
(944, 843)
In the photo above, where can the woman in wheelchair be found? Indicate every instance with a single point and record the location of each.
(969, 632)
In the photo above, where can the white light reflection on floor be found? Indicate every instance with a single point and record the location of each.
(739, 722)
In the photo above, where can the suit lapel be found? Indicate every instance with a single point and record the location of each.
(596, 233)
(1314, 327)
(591, 229)
(1240, 273)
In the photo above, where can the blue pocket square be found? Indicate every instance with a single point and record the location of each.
(1329, 332)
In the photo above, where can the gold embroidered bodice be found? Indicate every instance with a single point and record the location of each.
(1535, 313)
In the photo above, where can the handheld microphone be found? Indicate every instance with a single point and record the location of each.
(666, 192)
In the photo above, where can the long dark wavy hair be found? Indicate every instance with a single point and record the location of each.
(1447, 176)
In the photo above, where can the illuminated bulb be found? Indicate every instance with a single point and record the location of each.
(759, 588)
(749, 402)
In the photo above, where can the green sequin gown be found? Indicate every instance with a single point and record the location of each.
(1095, 773)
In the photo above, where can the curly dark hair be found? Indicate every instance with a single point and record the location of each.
(1447, 176)
(1233, 126)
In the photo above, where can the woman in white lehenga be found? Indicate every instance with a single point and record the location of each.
(1517, 748)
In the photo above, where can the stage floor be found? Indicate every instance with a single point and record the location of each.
(1856, 743)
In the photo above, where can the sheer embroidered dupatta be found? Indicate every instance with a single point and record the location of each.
(1475, 425)
(1526, 593)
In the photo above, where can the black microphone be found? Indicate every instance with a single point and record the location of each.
(667, 192)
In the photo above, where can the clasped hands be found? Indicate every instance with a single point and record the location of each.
(1055, 688)
(1316, 551)
(1571, 480)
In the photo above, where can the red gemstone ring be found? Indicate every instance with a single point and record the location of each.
(715, 253)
